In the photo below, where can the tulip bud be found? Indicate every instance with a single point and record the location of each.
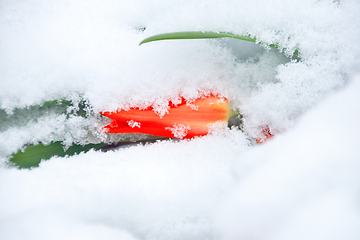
(183, 121)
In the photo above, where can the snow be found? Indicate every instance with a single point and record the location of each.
(307, 183)
(301, 184)
(168, 196)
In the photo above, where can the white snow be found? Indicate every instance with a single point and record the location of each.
(302, 184)
(306, 184)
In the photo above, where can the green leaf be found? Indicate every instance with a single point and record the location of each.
(196, 35)
(207, 34)
(33, 155)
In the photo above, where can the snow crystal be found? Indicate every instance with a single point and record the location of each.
(133, 124)
(179, 130)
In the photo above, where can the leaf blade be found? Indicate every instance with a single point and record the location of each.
(206, 35)
(195, 35)
(33, 155)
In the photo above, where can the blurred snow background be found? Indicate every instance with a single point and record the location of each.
(302, 184)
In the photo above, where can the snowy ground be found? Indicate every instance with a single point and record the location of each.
(302, 184)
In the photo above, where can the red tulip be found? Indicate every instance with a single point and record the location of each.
(183, 121)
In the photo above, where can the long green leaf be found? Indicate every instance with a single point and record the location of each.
(196, 35)
(204, 35)
(33, 155)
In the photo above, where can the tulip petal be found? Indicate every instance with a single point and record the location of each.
(183, 121)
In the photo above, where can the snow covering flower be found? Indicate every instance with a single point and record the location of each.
(267, 134)
(183, 121)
